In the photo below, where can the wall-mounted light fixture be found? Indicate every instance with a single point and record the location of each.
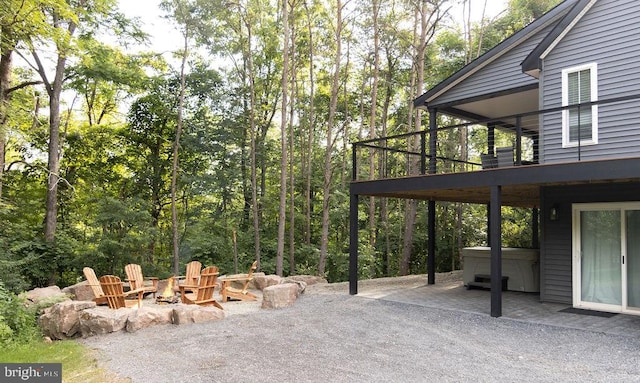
(553, 212)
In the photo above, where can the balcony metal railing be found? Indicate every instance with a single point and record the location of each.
(477, 145)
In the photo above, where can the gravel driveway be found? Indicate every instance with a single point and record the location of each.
(334, 337)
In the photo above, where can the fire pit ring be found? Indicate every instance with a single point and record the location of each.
(168, 296)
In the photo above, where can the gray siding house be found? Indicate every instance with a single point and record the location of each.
(566, 89)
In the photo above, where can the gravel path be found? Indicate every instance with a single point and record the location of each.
(329, 336)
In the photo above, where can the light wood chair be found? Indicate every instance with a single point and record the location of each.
(191, 277)
(137, 280)
(202, 293)
(115, 295)
(93, 282)
(229, 292)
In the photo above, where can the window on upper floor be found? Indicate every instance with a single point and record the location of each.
(580, 123)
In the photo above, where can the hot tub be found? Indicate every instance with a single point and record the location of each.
(521, 265)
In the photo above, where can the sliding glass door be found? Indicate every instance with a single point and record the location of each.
(633, 259)
(606, 259)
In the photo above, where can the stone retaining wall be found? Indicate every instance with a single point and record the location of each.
(78, 316)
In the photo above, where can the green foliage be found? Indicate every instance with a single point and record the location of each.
(519, 13)
(40, 263)
(17, 321)
(516, 227)
(25, 259)
(448, 55)
(115, 193)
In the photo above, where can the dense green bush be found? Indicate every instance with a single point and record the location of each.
(18, 323)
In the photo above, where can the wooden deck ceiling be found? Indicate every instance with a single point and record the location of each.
(520, 184)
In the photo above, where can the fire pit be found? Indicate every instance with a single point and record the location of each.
(168, 296)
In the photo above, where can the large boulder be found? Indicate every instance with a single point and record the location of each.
(80, 291)
(302, 285)
(61, 321)
(103, 320)
(40, 294)
(264, 281)
(308, 279)
(147, 316)
(183, 314)
(278, 296)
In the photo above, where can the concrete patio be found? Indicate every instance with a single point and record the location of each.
(394, 330)
(451, 294)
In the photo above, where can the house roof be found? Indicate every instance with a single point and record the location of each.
(532, 64)
(565, 9)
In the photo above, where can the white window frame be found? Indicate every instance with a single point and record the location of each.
(593, 67)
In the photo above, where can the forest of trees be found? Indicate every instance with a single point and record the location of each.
(235, 147)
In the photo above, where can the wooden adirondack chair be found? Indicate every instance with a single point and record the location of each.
(115, 295)
(137, 280)
(229, 292)
(93, 282)
(202, 293)
(191, 277)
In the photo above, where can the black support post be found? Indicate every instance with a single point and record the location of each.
(518, 140)
(491, 149)
(431, 259)
(431, 224)
(496, 251)
(353, 244)
(353, 228)
(491, 139)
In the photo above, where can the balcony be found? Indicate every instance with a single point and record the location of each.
(504, 142)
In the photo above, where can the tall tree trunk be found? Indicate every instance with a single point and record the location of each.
(292, 206)
(311, 132)
(411, 206)
(426, 19)
(5, 84)
(244, 171)
(54, 90)
(248, 59)
(174, 166)
(482, 29)
(384, 202)
(293, 102)
(328, 174)
(372, 118)
(283, 141)
(246, 135)
(345, 175)
(53, 163)
(467, 30)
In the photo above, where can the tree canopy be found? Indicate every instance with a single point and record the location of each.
(234, 148)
